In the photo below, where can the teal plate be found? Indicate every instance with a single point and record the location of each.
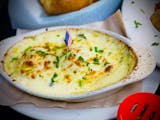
(29, 14)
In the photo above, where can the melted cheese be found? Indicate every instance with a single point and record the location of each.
(43, 64)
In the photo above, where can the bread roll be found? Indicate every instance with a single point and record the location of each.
(155, 19)
(55, 7)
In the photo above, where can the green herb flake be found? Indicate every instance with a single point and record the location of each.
(80, 58)
(80, 83)
(64, 54)
(155, 44)
(40, 75)
(14, 59)
(96, 61)
(109, 53)
(27, 49)
(42, 53)
(98, 50)
(106, 63)
(90, 69)
(56, 63)
(55, 75)
(90, 49)
(156, 36)
(142, 11)
(71, 55)
(87, 63)
(74, 71)
(137, 24)
(46, 47)
(57, 47)
(58, 35)
(101, 51)
(30, 37)
(82, 36)
(84, 78)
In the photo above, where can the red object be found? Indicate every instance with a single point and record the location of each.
(140, 106)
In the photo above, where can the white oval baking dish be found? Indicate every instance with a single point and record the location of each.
(145, 66)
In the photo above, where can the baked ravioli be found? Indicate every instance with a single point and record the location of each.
(43, 63)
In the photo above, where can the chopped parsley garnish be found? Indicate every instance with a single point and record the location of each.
(56, 62)
(156, 36)
(137, 24)
(74, 71)
(87, 63)
(40, 75)
(90, 69)
(31, 37)
(109, 53)
(55, 75)
(106, 63)
(14, 59)
(63, 54)
(80, 58)
(101, 51)
(46, 47)
(98, 50)
(58, 35)
(42, 53)
(57, 47)
(84, 78)
(80, 83)
(27, 49)
(71, 55)
(155, 44)
(90, 49)
(142, 11)
(96, 61)
(82, 36)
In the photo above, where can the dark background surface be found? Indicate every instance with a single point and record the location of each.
(7, 31)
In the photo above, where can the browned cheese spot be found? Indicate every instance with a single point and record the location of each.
(108, 68)
(33, 76)
(46, 64)
(67, 78)
(5, 54)
(29, 63)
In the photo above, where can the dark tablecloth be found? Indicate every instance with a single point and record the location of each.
(7, 31)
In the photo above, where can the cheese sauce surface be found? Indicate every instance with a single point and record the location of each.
(42, 63)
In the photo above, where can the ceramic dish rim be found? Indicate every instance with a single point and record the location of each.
(77, 96)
